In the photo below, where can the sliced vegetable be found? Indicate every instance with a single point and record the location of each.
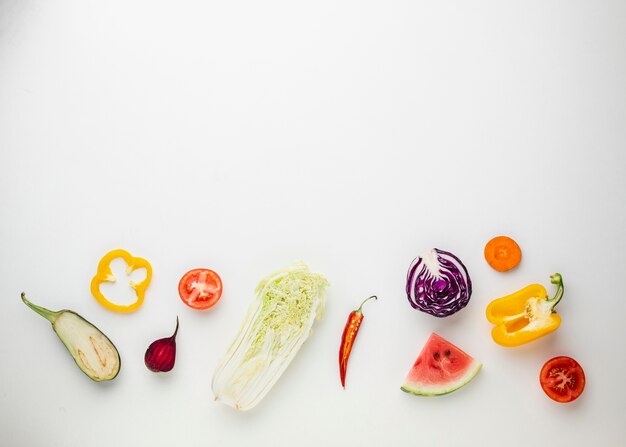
(502, 253)
(200, 288)
(92, 351)
(104, 274)
(440, 369)
(438, 283)
(161, 354)
(526, 314)
(278, 322)
(562, 379)
(347, 339)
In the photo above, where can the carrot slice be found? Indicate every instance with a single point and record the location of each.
(502, 253)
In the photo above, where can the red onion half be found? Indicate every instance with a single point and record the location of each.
(438, 283)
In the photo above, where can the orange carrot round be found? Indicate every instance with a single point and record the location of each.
(502, 253)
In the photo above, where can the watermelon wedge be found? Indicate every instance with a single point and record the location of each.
(440, 369)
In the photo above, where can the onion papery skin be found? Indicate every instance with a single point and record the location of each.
(438, 283)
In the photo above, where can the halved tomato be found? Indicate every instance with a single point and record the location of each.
(562, 379)
(200, 288)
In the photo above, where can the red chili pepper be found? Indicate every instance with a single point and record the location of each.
(347, 339)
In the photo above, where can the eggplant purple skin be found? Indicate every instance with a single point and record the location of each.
(439, 296)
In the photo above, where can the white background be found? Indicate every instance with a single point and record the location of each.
(354, 135)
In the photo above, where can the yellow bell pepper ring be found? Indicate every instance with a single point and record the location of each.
(104, 274)
(525, 315)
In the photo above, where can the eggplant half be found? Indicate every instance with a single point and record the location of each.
(92, 351)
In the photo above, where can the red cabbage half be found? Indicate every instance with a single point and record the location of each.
(438, 283)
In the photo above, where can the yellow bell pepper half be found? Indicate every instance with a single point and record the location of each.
(525, 315)
(104, 274)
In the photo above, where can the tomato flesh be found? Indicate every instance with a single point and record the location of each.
(200, 288)
(562, 379)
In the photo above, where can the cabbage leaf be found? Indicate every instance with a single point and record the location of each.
(278, 322)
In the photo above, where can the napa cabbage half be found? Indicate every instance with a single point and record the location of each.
(278, 322)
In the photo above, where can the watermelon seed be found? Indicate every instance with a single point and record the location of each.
(447, 353)
(436, 355)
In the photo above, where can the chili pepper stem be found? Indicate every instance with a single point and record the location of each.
(47, 314)
(365, 301)
(557, 280)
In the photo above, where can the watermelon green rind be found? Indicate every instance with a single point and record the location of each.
(430, 389)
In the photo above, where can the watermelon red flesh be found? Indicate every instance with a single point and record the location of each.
(440, 368)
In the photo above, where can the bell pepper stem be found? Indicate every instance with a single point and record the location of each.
(47, 314)
(557, 280)
(365, 301)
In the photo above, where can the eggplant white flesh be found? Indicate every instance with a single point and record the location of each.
(92, 351)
